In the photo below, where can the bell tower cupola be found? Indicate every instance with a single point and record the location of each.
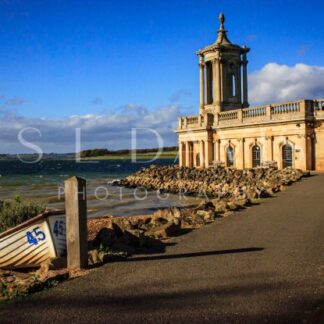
(223, 74)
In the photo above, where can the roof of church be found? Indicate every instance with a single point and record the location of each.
(222, 39)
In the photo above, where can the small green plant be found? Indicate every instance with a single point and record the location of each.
(17, 210)
(51, 283)
(4, 290)
(5, 293)
(34, 278)
(17, 294)
(107, 253)
(103, 249)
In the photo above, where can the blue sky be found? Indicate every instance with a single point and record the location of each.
(102, 58)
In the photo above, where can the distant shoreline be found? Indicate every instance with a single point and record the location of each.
(112, 155)
(139, 156)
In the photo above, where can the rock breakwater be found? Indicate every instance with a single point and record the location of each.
(224, 191)
(217, 182)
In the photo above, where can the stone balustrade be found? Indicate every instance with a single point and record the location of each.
(285, 108)
(293, 110)
(200, 121)
(228, 115)
(192, 120)
(254, 112)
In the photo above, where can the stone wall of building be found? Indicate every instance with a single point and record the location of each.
(270, 139)
(319, 142)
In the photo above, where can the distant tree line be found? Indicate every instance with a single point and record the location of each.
(104, 152)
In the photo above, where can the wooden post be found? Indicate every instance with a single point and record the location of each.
(76, 223)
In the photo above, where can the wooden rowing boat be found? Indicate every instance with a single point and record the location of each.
(37, 240)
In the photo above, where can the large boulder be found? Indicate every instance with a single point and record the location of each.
(131, 237)
(106, 237)
(193, 219)
(207, 215)
(163, 231)
(220, 205)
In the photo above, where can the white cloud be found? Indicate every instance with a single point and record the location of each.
(111, 131)
(276, 83)
(16, 101)
(178, 95)
(273, 83)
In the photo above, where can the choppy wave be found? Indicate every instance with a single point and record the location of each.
(44, 181)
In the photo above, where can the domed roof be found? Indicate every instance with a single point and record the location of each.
(222, 39)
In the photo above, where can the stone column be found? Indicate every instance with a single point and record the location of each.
(202, 83)
(221, 81)
(238, 83)
(245, 82)
(202, 154)
(269, 149)
(217, 150)
(308, 164)
(187, 154)
(180, 154)
(194, 153)
(222, 153)
(242, 154)
(217, 86)
(207, 154)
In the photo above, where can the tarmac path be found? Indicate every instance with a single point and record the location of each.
(264, 264)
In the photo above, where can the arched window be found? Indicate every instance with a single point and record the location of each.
(256, 156)
(287, 156)
(230, 156)
(233, 85)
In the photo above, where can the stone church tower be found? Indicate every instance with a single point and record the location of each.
(228, 132)
(223, 74)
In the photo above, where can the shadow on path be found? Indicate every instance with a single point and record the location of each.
(195, 254)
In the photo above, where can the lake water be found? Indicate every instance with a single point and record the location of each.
(45, 181)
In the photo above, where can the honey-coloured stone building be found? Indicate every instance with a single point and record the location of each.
(227, 131)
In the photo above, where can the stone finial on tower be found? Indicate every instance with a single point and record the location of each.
(222, 37)
(221, 21)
